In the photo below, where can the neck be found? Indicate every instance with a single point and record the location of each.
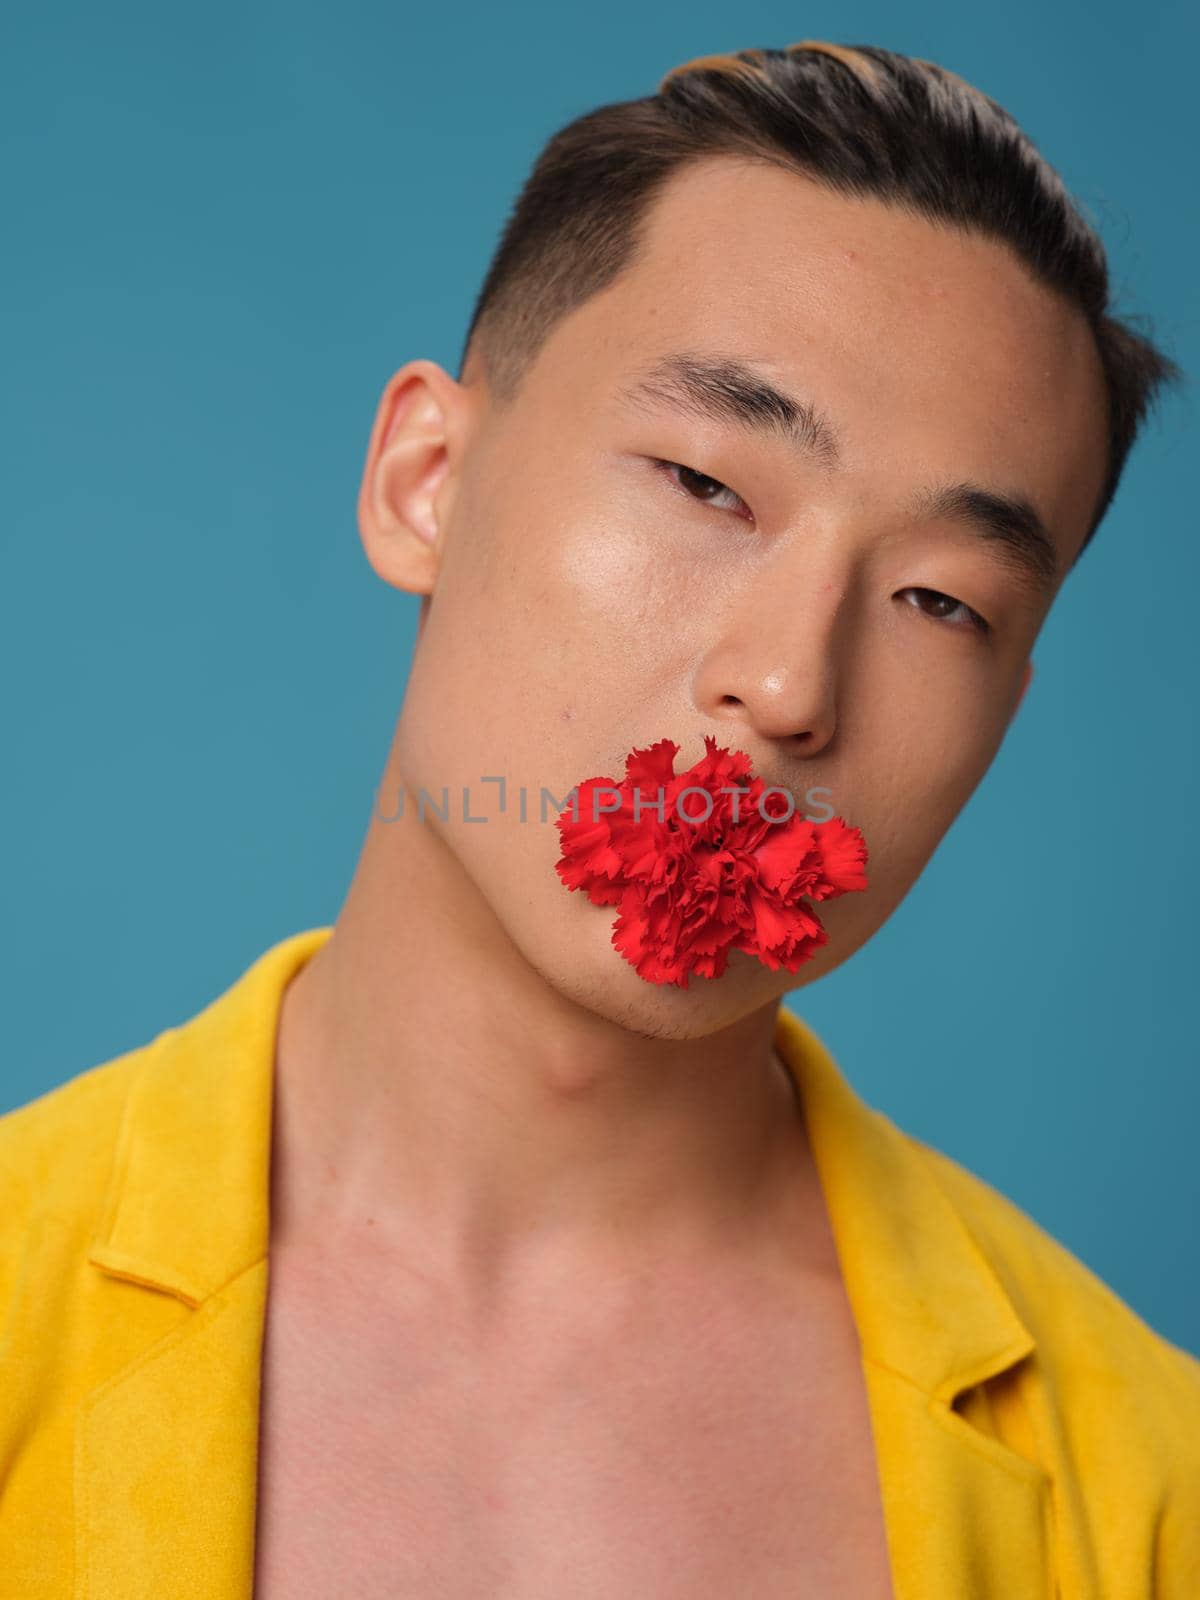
(435, 1094)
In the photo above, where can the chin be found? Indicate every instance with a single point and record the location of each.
(599, 980)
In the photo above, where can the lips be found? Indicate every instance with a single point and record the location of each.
(704, 862)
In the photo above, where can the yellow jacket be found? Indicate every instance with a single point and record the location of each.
(1036, 1440)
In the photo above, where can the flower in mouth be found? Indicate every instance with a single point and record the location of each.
(692, 883)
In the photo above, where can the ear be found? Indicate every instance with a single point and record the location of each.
(416, 447)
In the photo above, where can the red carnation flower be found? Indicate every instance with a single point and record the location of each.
(736, 878)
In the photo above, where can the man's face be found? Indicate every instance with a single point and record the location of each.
(584, 599)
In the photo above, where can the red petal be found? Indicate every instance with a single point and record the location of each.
(651, 768)
(843, 852)
(784, 852)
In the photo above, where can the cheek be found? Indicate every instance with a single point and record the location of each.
(600, 567)
(613, 544)
(586, 609)
(525, 670)
(622, 597)
(913, 788)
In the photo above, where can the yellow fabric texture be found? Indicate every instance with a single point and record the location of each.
(1035, 1438)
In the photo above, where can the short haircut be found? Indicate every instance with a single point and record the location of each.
(864, 122)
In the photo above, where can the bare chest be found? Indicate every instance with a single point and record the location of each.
(690, 1447)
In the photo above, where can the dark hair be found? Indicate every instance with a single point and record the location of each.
(861, 120)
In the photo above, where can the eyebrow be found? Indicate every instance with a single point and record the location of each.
(723, 389)
(728, 390)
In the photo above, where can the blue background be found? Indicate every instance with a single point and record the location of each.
(225, 227)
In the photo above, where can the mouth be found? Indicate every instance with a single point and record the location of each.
(704, 862)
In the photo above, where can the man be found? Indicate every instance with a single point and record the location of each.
(445, 1254)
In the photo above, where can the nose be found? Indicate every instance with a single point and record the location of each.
(771, 670)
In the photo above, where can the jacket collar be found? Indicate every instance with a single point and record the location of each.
(169, 1441)
(964, 1512)
(187, 1207)
(926, 1302)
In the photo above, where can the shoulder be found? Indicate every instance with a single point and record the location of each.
(77, 1118)
(1109, 1376)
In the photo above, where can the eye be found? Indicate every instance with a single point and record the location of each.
(699, 486)
(945, 607)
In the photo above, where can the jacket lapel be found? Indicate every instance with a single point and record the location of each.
(166, 1445)
(166, 1455)
(965, 1514)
